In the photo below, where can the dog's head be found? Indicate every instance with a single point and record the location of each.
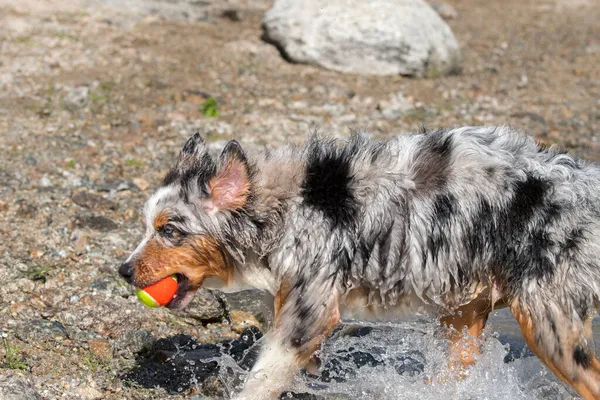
(184, 217)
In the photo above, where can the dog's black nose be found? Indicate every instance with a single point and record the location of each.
(126, 271)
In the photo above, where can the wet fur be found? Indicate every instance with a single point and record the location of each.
(419, 223)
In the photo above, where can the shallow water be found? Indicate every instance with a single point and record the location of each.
(394, 361)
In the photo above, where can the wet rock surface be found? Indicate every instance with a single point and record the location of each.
(96, 98)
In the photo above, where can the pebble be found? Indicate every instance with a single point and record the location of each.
(100, 348)
(76, 98)
(133, 342)
(95, 222)
(88, 392)
(41, 331)
(93, 201)
(45, 182)
(204, 308)
(241, 320)
(141, 184)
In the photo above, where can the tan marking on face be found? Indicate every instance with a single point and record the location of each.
(196, 258)
(161, 220)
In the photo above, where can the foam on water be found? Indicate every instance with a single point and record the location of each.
(395, 361)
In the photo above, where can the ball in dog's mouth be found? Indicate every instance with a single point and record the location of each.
(184, 293)
(172, 292)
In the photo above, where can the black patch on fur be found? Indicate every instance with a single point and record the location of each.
(444, 207)
(431, 166)
(528, 198)
(581, 357)
(515, 239)
(326, 186)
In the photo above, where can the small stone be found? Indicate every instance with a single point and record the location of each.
(241, 320)
(395, 107)
(100, 348)
(95, 222)
(92, 201)
(133, 342)
(39, 331)
(214, 387)
(204, 307)
(88, 392)
(26, 210)
(3, 206)
(76, 98)
(14, 386)
(141, 183)
(45, 182)
(232, 15)
(523, 82)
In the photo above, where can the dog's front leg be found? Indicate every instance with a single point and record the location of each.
(304, 317)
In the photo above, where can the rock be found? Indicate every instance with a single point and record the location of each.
(214, 387)
(39, 331)
(100, 348)
(133, 342)
(45, 182)
(76, 98)
(204, 307)
(95, 222)
(395, 107)
(379, 37)
(93, 201)
(110, 286)
(26, 210)
(232, 14)
(88, 392)
(14, 386)
(253, 301)
(141, 183)
(242, 320)
(175, 363)
(444, 10)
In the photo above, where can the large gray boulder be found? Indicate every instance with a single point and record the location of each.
(372, 37)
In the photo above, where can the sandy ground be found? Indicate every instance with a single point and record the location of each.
(96, 98)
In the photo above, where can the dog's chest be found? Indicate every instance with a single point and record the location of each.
(360, 305)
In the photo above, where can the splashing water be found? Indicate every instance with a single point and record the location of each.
(395, 361)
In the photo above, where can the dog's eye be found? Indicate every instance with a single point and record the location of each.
(167, 230)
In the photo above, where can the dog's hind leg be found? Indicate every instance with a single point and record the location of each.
(562, 340)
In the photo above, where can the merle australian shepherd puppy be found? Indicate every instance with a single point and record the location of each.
(452, 223)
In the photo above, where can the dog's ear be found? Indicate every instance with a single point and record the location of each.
(230, 187)
(193, 162)
(193, 150)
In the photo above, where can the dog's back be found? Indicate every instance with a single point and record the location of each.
(434, 214)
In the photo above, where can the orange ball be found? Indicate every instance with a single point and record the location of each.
(159, 294)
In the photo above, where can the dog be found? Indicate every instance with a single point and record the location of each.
(451, 223)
